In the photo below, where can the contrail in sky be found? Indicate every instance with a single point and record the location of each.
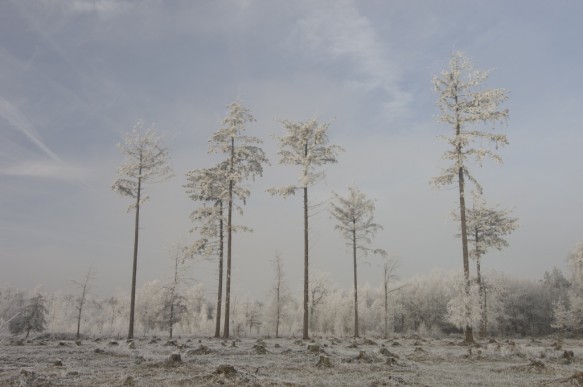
(20, 122)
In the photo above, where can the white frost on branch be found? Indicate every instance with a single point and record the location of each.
(305, 144)
(463, 106)
(244, 156)
(355, 216)
(146, 161)
(487, 226)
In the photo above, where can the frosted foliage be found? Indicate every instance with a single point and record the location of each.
(355, 216)
(207, 186)
(459, 302)
(214, 186)
(568, 318)
(146, 161)
(563, 319)
(464, 106)
(487, 227)
(568, 311)
(305, 145)
(211, 185)
(568, 314)
(575, 262)
(245, 157)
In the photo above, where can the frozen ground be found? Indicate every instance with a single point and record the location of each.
(324, 361)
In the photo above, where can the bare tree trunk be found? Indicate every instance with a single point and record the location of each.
(84, 289)
(481, 297)
(386, 285)
(135, 261)
(229, 245)
(485, 315)
(355, 283)
(469, 336)
(278, 316)
(220, 289)
(82, 302)
(171, 321)
(173, 295)
(278, 278)
(78, 335)
(306, 277)
(312, 310)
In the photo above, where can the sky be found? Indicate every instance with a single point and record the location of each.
(76, 74)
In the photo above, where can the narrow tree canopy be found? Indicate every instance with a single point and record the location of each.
(465, 106)
(146, 160)
(305, 144)
(355, 216)
(244, 156)
(488, 227)
(31, 319)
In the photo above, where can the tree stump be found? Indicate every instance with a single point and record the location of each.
(174, 358)
(226, 370)
(324, 362)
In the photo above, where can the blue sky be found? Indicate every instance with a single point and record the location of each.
(76, 74)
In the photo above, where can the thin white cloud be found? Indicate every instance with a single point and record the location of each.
(337, 30)
(41, 169)
(13, 115)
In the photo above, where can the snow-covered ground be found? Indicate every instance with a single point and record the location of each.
(290, 362)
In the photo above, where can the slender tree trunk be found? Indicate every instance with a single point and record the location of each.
(173, 295)
(78, 335)
(171, 322)
(482, 331)
(80, 311)
(355, 282)
(386, 284)
(469, 336)
(306, 335)
(485, 315)
(312, 310)
(228, 285)
(220, 290)
(306, 277)
(229, 245)
(278, 305)
(135, 261)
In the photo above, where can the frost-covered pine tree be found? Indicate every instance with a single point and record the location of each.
(390, 265)
(32, 318)
(244, 159)
(305, 144)
(568, 314)
(146, 162)
(467, 109)
(209, 187)
(174, 303)
(575, 263)
(84, 287)
(487, 228)
(355, 216)
(279, 296)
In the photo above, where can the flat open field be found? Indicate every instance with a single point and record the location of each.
(290, 362)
